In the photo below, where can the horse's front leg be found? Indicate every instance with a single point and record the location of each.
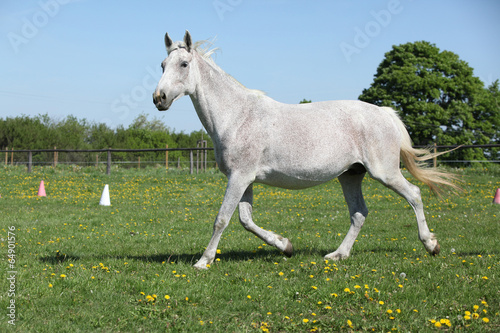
(245, 209)
(235, 187)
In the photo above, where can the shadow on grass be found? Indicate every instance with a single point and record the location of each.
(270, 255)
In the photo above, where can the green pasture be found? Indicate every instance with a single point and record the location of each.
(81, 267)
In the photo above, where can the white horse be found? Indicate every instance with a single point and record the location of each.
(259, 140)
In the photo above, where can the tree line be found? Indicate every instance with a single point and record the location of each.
(43, 132)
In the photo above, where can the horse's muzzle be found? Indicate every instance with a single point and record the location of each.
(160, 101)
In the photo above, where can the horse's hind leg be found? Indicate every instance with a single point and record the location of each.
(245, 210)
(398, 183)
(351, 186)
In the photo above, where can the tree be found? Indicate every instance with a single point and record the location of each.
(304, 101)
(436, 95)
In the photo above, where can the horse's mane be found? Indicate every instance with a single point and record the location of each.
(205, 50)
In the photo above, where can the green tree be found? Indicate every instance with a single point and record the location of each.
(436, 95)
(304, 101)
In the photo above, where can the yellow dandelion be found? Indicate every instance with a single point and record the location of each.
(305, 320)
(62, 275)
(167, 297)
(486, 320)
(314, 287)
(347, 290)
(381, 302)
(50, 285)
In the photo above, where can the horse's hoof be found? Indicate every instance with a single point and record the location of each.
(335, 256)
(288, 251)
(436, 250)
(200, 265)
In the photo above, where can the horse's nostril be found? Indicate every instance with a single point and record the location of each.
(163, 96)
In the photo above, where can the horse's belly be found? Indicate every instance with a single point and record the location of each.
(297, 179)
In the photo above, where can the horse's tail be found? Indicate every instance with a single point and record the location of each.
(412, 158)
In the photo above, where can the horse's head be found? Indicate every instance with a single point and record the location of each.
(176, 80)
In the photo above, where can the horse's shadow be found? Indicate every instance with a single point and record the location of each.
(267, 255)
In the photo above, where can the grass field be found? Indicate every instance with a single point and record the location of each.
(128, 267)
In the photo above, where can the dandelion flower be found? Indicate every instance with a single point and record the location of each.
(62, 275)
(486, 320)
(305, 320)
(50, 285)
(381, 302)
(167, 297)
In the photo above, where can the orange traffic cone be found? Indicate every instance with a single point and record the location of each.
(41, 190)
(496, 199)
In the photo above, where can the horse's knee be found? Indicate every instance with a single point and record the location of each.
(358, 218)
(220, 224)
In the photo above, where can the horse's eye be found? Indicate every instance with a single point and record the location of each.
(184, 64)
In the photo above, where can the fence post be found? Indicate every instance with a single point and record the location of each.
(6, 155)
(108, 166)
(191, 162)
(30, 160)
(12, 156)
(166, 157)
(97, 160)
(55, 157)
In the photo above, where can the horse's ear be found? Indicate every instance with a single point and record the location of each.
(188, 41)
(168, 41)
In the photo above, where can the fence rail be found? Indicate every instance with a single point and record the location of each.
(200, 161)
(109, 151)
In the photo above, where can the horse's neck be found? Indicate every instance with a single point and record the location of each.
(219, 101)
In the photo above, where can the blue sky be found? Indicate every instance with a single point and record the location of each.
(100, 60)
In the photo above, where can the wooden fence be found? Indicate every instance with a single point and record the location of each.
(201, 163)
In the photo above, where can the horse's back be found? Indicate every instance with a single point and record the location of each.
(312, 143)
